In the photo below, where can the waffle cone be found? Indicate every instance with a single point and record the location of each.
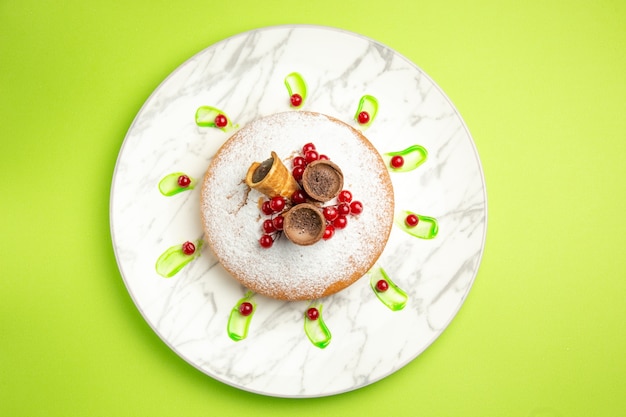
(304, 224)
(322, 180)
(278, 181)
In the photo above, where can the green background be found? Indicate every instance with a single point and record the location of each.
(540, 85)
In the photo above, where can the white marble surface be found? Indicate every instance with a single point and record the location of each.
(243, 76)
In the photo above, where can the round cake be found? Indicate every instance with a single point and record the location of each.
(233, 217)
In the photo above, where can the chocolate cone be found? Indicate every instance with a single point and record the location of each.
(304, 224)
(322, 180)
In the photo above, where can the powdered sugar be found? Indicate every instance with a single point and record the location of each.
(232, 218)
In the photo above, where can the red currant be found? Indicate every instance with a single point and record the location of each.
(356, 207)
(344, 196)
(268, 226)
(184, 181)
(298, 197)
(266, 209)
(221, 120)
(343, 209)
(328, 232)
(382, 285)
(330, 213)
(299, 161)
(266, 241)
(188, 248)
(297, 173)
(313, 313)
(311, 156)
(278, 222)
(245, 308)
(277, 204)
(340, 222)
(296, 100)
(308, 147)
(412, 220)
(324, 158)
(397, 162)
(364, 117)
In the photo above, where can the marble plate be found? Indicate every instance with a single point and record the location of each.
(244, 76)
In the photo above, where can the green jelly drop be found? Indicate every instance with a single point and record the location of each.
(174, 259)
(296, 85)
(426, 228)
(238, 324)
(168, 186)
(367, 104)
(413, 156)
(316, 330)
(205, 117)
(394, 298)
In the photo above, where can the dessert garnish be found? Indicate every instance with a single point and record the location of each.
(386, 290)
(382, 285)
(396, 162)
(245, 308)
(313, 181)
(417, 225)
(314, 326)
(184, 181)
(304, 224)
(412, 220)
(356, 207)
(221, 121)
(329, 232)
(266, 241)
(240, 317)
(175, 183)
(209, 116)
(272, 178)
(366, 111)
(307, 204)
(411, 158)
(188, 248)
(296, 86)
(298, 197)
(322, 180)
(176, 257)
(313, 313)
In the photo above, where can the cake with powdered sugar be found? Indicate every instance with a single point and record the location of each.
(309, 219)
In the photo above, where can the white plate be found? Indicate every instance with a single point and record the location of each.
(243, 76)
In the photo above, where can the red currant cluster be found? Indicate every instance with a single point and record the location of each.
(336, 215)
(274, 225)
(309, 154)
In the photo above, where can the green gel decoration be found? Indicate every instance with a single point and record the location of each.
(205, 117)
(426, 228)
(168, 186)
(238, 324)
(173, 260)
(370, 105)
(394, 298)
(414, 156)
(296, 85)
(316, 330)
